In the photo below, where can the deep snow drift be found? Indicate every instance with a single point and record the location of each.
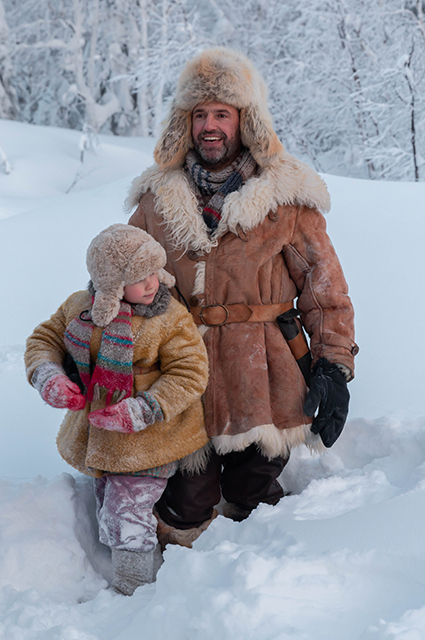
(342, 558)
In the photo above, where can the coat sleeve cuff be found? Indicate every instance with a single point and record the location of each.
(43, 373)
(338, 349)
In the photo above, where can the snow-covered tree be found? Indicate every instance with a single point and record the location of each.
(8, 108)
(171, 32)
(62, 62)
(346, 77)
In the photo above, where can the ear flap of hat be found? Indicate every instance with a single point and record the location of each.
(106, 307)
(175, 140)
(166, 278)
(258, 136)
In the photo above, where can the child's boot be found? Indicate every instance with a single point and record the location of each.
(132, 569)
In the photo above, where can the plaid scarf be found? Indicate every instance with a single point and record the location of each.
(217, 185)
(112, 376)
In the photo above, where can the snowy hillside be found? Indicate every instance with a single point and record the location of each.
(342, 558)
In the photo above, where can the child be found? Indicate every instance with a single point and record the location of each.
(136, 409)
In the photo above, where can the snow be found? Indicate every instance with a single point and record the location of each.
(341, 558)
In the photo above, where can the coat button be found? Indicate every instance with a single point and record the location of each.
(274, 215)
(192, 255)
(194, 301)
(355, 349)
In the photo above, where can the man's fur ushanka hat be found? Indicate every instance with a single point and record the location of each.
(219, 75)
(117, 256)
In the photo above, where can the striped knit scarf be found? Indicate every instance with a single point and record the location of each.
(219, 184)
(112, 376)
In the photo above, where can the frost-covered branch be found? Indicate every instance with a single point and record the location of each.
(342, 96)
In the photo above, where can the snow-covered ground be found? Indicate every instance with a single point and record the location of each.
(342, 558)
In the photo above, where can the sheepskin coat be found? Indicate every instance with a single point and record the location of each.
(270, 247)
(170, 338)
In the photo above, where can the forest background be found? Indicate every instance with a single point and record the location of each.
(346, 77)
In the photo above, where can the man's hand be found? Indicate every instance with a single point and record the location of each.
(329, 396)
(128, 416)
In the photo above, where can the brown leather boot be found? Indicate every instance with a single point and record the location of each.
(183, 537)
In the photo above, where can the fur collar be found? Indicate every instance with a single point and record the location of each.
(157, 307)
(285, 181)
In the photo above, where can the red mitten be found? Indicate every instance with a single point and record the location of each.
(60, 392)
(114, 418)
(56, 388)
(128, 416)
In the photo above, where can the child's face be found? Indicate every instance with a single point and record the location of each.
(142, 292)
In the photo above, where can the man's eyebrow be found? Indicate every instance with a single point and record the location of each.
(200, 110)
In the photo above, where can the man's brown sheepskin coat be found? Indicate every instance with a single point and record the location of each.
(270, 247)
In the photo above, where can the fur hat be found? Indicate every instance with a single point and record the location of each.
(121, 255)
(219, 75)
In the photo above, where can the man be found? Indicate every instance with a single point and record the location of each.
(241, 224)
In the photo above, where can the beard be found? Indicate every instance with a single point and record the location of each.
(228, 151)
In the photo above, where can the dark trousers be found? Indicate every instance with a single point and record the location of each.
(245, 478)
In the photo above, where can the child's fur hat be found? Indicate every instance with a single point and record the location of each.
(219, 75)
(121, 255)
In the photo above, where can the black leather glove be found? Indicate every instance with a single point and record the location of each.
(329, 396)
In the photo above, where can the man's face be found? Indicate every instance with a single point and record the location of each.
(215, 133)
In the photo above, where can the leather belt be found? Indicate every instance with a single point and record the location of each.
(137, 371)
(217, 315)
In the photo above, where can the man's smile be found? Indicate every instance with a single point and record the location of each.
(211, 139)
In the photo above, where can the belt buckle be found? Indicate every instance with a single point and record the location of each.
(207, 306)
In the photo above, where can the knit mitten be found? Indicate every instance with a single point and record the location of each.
(128, 416)
(56, 388)
(132, 569)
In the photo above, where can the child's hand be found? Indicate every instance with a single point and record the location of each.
(128, 416)
(61, 393)
(56, 388)
(114, 418)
